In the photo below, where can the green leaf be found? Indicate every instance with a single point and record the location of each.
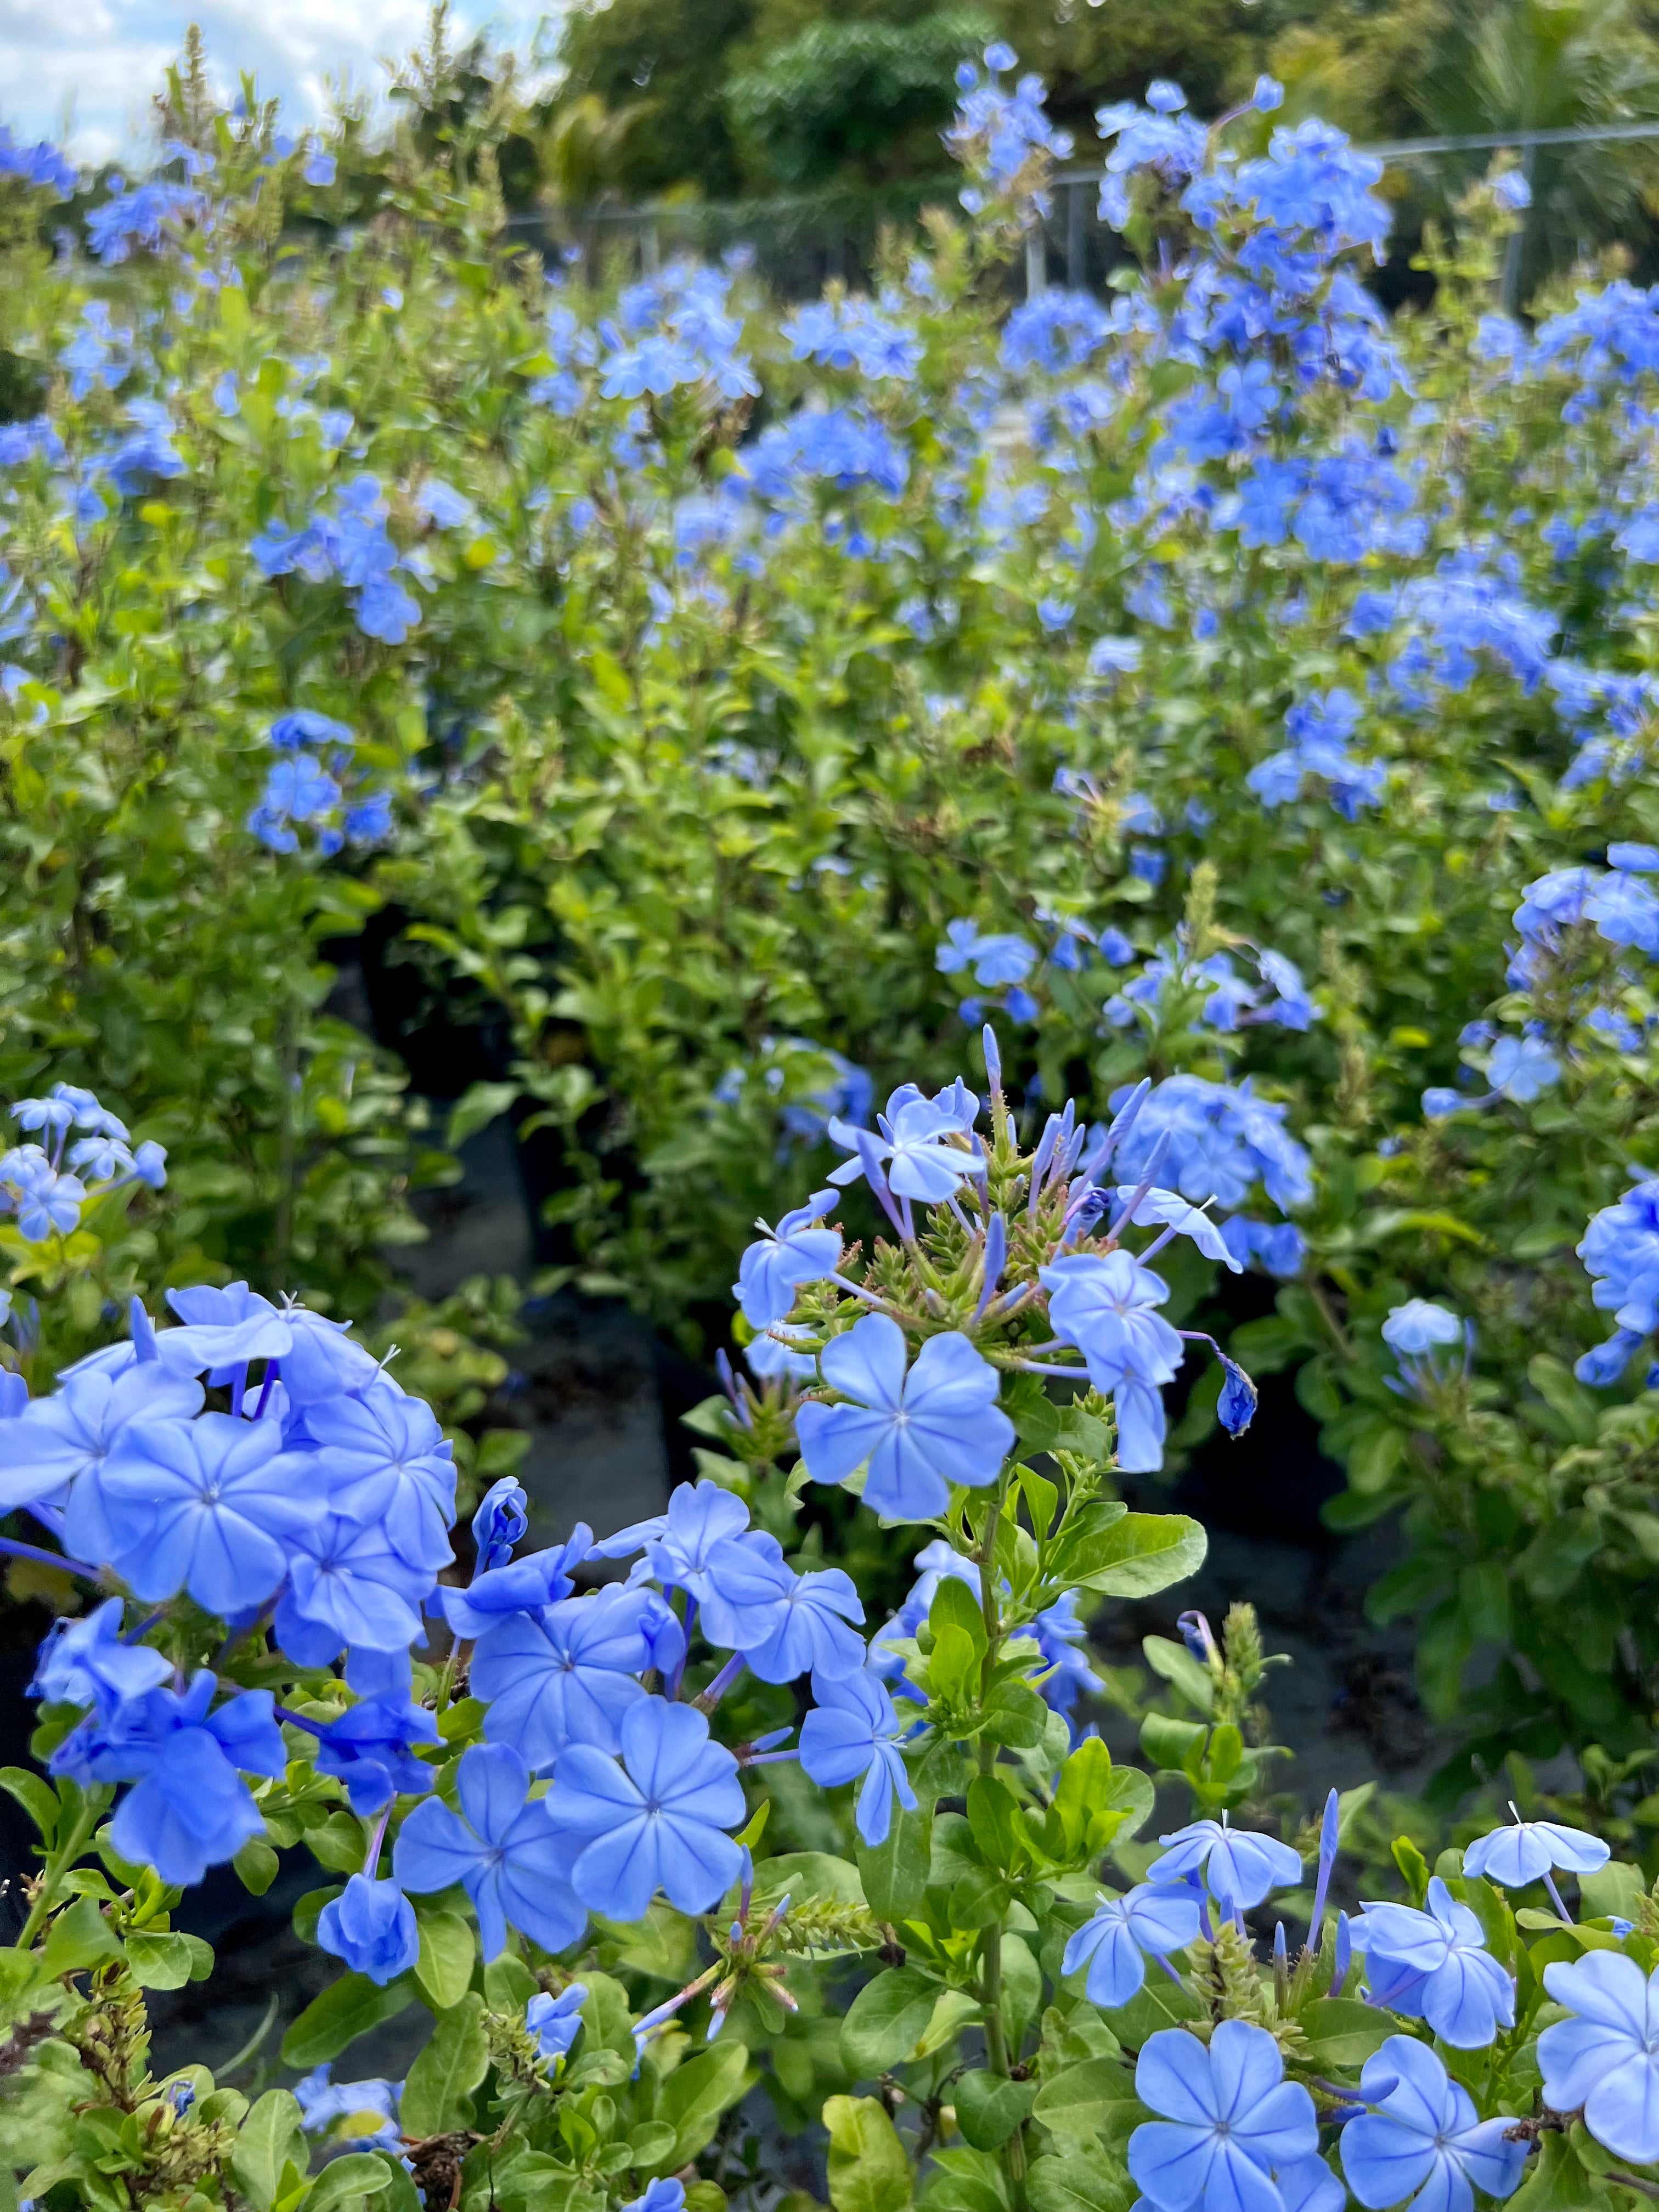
(886, 2020)
(344, 2011)
(1073, 2183)
(1160, 2003)
(269, 2137)
(895, 1874)
(256, 1865)
(869, 2171)
(1344, 2032)
(36, 1797)
(444, 1969)
(509, 1985)
(1177, 1664)
(966, 2181)
(437, 2096)
(1141, 1554)
(338, 1844)
(80, 1937)
(1616, 1891)
(359, 2173)
(992, 1815)
(955, 1605)
(696, 2094)
(1558, 2183)
(478, 1105)
(1075, 2102)
(989, 2107)
(309, 1910)
(651, 2144)
(158, 1961)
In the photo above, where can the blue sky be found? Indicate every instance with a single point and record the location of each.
(99, 60)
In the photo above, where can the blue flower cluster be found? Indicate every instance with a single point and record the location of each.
(904, 1430)
(1230, 2130)
(40, 165)
(324, 793)
(142, 216)
(45, 1187)
(1321, 730)
(1003, 137)
(351, 545)
(676, 330)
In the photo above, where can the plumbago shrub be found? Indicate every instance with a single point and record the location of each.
(1216, 683)
(544, 1814)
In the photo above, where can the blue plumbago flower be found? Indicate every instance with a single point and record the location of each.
(677, 1544)
(565, 1675)
(657, 1821)
(371, 1927)
(200, 1505)
(1606, 2059)
(1101, 1303)
(1113, 1943)
(1240, 1866)
(323, 2102)
(84, 1663)
(662, 2196)
(1307, 2185)
(500, 1522)
(1179, 1214)
(55, 1449)
(346, 1587)
(1417, 1326)
(222, 1330)
(1434, 1966)
(555, 2023)
(1522, 1069)
(520, 1586)
(916, 1144)
(769, 1356)
(189, 1808)
(797, 1251)
(1236, 1406)
(1423, 2142)
(371, 1748)
(995, 960)
(784, 1624)
(1229, 2117)
(852, 1729)
(385, 1459)
(1066, 1672)
(1532, 1849)
(918, 1431)
(504, 1850)
(1620, 1247)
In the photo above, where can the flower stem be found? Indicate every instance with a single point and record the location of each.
(59, 1861)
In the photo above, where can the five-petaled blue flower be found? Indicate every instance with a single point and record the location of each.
(1239, 1865)
(372, 1927)
(1229, 2117)
(1424, 2142)
(797, 1251)
(852, 1729)
(1532, 1848)
(555, 2023)
(564, 1674)
(503, 1848)
(1606, 2060)
(784, 1624)
(920, 1432)
(1434, 1966)
(655, 1821)
(1113, 1942)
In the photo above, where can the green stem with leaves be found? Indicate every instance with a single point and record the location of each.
(59, 1860)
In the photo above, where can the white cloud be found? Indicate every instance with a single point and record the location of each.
(98, 61)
